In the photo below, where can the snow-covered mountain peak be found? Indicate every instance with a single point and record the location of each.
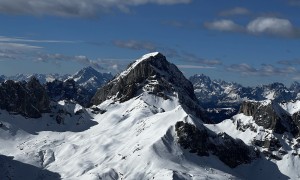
(136, 62)
(90, 78)
(87, 71)
(151, 74)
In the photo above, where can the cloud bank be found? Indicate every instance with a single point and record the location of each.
(167, 51)
(264, 70)
(271, 26)
(75, 8)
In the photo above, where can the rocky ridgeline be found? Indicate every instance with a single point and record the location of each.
(277, 130)
(222, 99)
(232, 152)
(271, 116)
(68, 90)
(155, 75)
(27, 98)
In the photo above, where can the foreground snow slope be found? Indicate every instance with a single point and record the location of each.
(132, 140)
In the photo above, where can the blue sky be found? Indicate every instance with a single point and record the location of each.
(249, 42)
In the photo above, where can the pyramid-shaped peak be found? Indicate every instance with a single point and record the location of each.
(88, 69)
(150, 74)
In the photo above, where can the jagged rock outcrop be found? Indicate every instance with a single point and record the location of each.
(232, 152)
(155, 75)
(270, 116)
(270, 145)
(29, 99)
(296, 118)
(68, 90)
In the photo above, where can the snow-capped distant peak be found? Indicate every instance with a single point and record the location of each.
(90, 78)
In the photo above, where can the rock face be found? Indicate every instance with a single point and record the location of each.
(29, 99)
(155, 75)
(270, 116)
(68, 90)
(232, 152)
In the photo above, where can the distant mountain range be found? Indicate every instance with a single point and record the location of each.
(222, 99)
(79, 87)
(148, 122)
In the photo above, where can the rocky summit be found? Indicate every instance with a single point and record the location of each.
(153, 74)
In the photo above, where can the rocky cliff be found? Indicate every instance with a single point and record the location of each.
(68, 90)
(270, 115)
(232, 152)
(29, 99)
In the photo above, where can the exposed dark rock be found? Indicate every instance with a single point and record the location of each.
(243, 127)
(272, 144)
(232, 152)
(96, 110)
(154, 75)
(296, 119)
(68, 90)
(270, 116)
(29, 99)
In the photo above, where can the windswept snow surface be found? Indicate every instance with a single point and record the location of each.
(131, 140)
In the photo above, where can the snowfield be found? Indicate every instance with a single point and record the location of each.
(132, 140)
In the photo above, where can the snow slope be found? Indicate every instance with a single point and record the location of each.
(134, 139)
(131, 140)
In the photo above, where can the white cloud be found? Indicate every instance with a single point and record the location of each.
(13, 39)
(74, 8)
(17, 46)
(264, 70)
(235, 11)
(135, 45)
(272, 26)
(13, 51)
(223, 25)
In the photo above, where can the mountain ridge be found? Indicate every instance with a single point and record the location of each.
(148, 128)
